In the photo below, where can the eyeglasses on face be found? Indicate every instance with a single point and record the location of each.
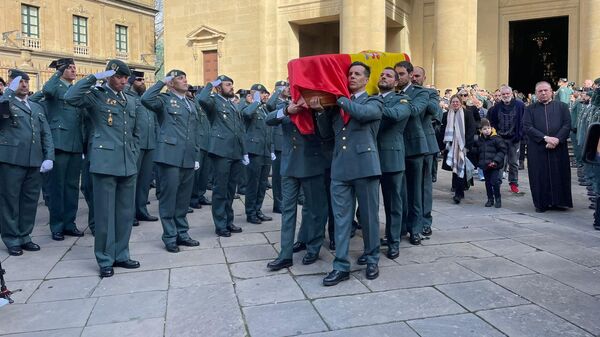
(139, 79)
(464, 95)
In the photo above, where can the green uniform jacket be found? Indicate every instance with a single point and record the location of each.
(414, 135)
(302, 156)
(275, 103)
(355, 152)
(66, 121)
(179, 123)
(227, 127)
(433, 112)
(204, 130)
(258, 135)
(25, 138)
(114, 140)
(146, 122)
(390, 139)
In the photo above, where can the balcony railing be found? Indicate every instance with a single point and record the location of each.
(81, 50)
(123, 55)
(31, 42)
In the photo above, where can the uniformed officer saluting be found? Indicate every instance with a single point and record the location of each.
(66, 125)
(25, 145)
(225, 148)
(176, 155)
(113, 155)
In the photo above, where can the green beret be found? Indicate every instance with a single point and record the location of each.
(119, 67)
(281, 84)
(14, 73)
(225, 78)
(176, 73)
(61, 63)
(597, 81)
(258, 87)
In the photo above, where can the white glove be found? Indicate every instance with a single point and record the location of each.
(196, 166)
(245, 160)
(280, 88)
(104, 74)
(14, 84)
(256, 96)
(83, 156)
(273, 156)
(167, 79)
(47, 165)
(215, 82)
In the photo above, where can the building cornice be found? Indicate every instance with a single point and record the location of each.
(131, 5)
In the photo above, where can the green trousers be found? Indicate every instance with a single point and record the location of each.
(63, 185)
(176, 185)
(391, 189)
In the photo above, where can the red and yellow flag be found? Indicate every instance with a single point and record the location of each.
(328, 74)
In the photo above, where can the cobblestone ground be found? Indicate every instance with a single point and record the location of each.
(484, 272)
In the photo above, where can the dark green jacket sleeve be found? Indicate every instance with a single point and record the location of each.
(369, 111)
(79, 94)
(151, 98)
(272, 102)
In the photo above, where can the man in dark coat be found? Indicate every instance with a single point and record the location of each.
(547, 124)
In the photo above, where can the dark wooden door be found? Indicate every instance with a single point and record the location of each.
(211, 65)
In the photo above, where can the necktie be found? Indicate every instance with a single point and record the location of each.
(352, 97)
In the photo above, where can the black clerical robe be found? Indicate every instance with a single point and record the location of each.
(549, 170)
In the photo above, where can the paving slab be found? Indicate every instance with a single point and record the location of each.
(27, 289)
(505, 247)
(16, 318)
(273, 237)
(252, 269)
(153, 327)
(74, 268)
(379, 330)
(519, 218)
(585, 256)
(465, 325)
(312, 285)
(577, 307)
(74, 332)
(250, 253)
(210, 310)
(32, 265)
(133, 282)
(65, 289)
(446, 252)
(418, 275)
(530, 321)
(243, 239)
(270, 289)
(123, 308)
(511, 230)
(492, 267)
(273, 320)
(460, 235)
(481, 295)
(199, 275)
(384, 307)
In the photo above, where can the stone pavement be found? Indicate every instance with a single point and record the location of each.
(484, 272)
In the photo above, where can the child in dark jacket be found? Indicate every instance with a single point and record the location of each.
(490, 150)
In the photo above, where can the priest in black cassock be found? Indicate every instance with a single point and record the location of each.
(547, 124)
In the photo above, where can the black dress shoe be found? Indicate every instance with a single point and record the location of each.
(310, 258)
(30, 247)
(298, 246)
(415, 239)
(106, 272)
(278, 264)
(597, 227)
(190, 210)
(73, 232)
(147, 218)
(427, 231)
(253, 219)
(393, 253)
(383, 242)
(540, 210)
(234, 229)
(136, 222)
(362, 260)
(331, 245)
(456, 199)
(372, 271)
(172, 247)
(223, 232)
(15, 251)
(56, 236)
(335, 277)
(128, 264)
(204, 201)
(188, 242)
(196, 206)
(263, 217)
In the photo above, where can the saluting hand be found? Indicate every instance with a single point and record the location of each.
(216, 82)
(104, 74)
(14, 84)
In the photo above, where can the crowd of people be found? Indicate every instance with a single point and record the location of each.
(113, 138)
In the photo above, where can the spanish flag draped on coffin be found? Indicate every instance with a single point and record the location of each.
(326, 76)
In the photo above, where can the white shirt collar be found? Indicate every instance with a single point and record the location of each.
(387, 93)
(406, 87)
(356, 95)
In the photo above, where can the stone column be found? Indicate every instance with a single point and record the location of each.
(362, 26)
(589, 40)
(455, 60)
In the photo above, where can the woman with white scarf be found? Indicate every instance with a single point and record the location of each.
(459, 138)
